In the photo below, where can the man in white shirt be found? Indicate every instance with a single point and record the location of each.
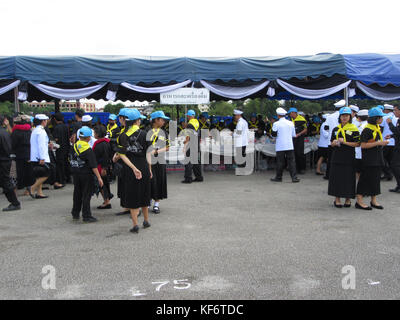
(241, 140)
(284, 131)
(388, 149)
(331, 123)
(40, 155)
(361, 122)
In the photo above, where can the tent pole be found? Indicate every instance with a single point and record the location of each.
(56, 105)
(16, 102)
(346, 96)
(177, 113)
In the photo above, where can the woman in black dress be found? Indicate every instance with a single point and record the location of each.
(159, 145)
(372, 143)
(342, 177)
(136, 170)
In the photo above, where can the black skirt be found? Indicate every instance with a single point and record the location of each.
(136, 193)
(369, 183)
(358, 165)
(323, 152)
(25, 176)
(342, 181)
(159, 181)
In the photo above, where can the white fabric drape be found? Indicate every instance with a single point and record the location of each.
(234, 92)
(377, 94)
(22, 95)
(111, 95)
(271, 92)
(9, 87)
(68, 94)
(156, 89)
(312, 94)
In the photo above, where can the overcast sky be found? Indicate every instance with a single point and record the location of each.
(198, 28)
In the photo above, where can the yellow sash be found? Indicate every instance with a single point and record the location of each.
(195, 124)
(81, 146)
(111, 129)
(132, 130)
(376, 129)
(348, 127)
(300, 118)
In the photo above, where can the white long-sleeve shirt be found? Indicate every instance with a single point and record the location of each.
(361, 125)
(324, 137)
(285, 133)
(386, 130)
(332, 121)
(39, 145)
(241, 133)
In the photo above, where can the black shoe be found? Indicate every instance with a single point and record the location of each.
(111, 196)
(387, 178)
(11, 207)
(59, 187)
(186, 181)
(396, 190)
(326, 178)
(294, 180)
(347, 205)
(376, 207)
(337, 205)
(45, 188)
(90, 219)
(146, 224)
(75, 218)
(30, 192)
(362, 208)
(156, 210)
(198, 180)
(122, 213)
(319, 173)
(105, 207)
(40, 197)
(276, 180)
(135, 229)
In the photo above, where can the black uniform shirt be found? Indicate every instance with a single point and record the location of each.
(372, 157)
(344, 154)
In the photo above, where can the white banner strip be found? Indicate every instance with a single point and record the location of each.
(67, 94)
(377, 94)
(9, 87)
(234, 92)
(156, 89)
(312, 94)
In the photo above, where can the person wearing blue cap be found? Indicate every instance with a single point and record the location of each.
(203, 121)
(372, 143)
(117, 162)
(83, 167)
(342, 176)
(136, 169)
(182, 125)
(192, 140)
(112, 129)
(394, 126)
(159, 145)
(300, 124)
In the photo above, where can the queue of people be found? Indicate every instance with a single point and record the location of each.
(353, 142)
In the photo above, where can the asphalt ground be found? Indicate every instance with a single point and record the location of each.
(230, 237)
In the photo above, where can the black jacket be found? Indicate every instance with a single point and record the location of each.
(21, 144)
(5, 145)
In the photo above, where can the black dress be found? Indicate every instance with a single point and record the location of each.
(136, 192)
(158, 140)
(117, 147)
(342, 174)
(369, 183)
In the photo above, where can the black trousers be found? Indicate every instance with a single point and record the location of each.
(300, 157)
(242, 151)
(106, 186)
(24, 174)
(6, 183)
(388, 156)
(195, 168)
(281, 158)
(83, 191)
(61, 166)
(396, 173)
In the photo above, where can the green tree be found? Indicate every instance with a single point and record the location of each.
(113, 108)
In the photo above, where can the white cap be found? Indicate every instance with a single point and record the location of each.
(41, 117)
(354, 108)
(281, 112)
(236, 112)
(363, 113)
(301, 113)
(87, 118)
(388, 107)
(340, 104)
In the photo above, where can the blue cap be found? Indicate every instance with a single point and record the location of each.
(205, 115)
(254, 115)
(134, 114)
(112, 117)
(215, 120)
(275, 117)
(375, 112)
(344, 110)
(191, 113)
(182, 120)
(380, 107)
(158, 114)
(292, 110)
(85, 132)
(122, 112)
